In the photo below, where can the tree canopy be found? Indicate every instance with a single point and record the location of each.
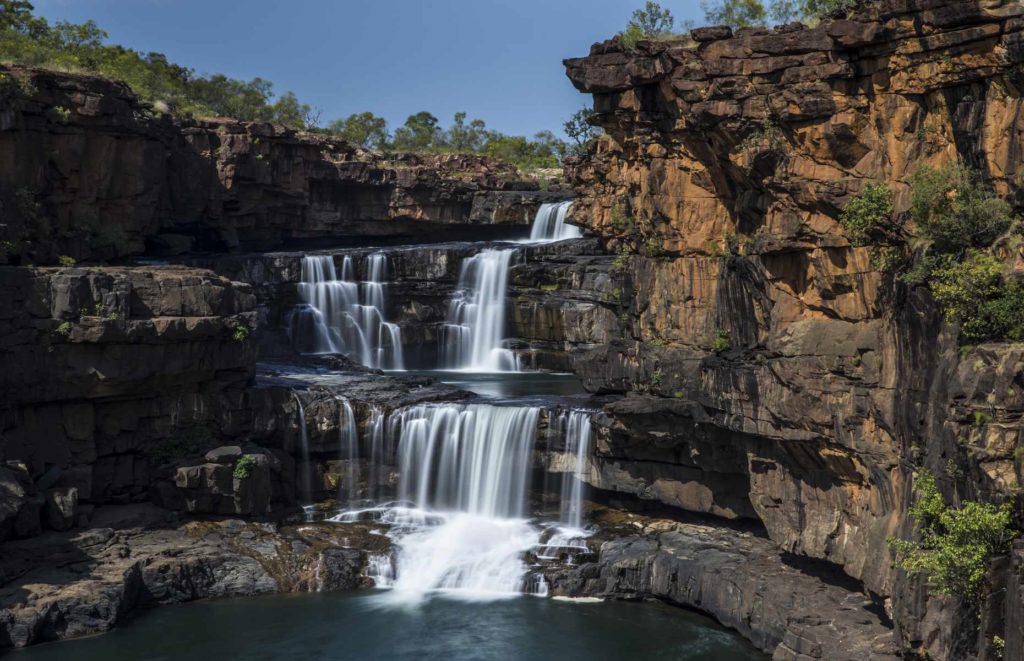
(31, 40)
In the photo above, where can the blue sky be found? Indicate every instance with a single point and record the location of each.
(498, 60)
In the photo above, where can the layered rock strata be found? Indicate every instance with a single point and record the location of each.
(795, 383)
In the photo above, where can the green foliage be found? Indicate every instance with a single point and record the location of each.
(651, 22)
(64, 329)
(245, 466)
(955, 210)
(29, 39)
(420, 132)
(755, 13)
(60, 114)
(981, 419)
(66, 261)
(722, 341)
(240, 334)
(955, 544)
(656, 377)
(868, 216)
(735, 13)
(622, 260)
(766, 136)
(581, 130)
(975, 293)
(364, 129)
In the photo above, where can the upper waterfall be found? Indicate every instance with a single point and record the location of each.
(472, 338)
(343, 315)
(549, 223)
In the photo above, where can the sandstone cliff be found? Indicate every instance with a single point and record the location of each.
(792, 382)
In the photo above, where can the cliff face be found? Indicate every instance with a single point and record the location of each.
(88, 171)
(793, 383)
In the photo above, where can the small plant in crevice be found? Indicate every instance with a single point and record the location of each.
(245, 466)
(766, 136)
(722, 341)
(64, 329)
(981, 419)
(66, 261)
(955, 544)
(60, 114)
(240, 334)
(656, 377)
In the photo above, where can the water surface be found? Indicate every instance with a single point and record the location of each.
(347, 626)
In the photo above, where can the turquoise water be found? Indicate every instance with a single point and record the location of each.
(359, 626)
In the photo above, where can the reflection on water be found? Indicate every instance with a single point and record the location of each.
(345, 626)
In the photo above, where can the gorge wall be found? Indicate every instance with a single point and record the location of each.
(89, 171)
(779, 376)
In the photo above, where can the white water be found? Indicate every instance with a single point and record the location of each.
(343, 315)
(348, 451)
(464, 480)
(305, 473)
(549, 223)
(473, 336)
(577, 443)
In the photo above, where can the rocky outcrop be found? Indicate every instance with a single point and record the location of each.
(797, 384)
(91, 172)
(65, 585)
(787, 608)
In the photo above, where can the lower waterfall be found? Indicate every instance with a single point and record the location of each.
(472, 338)
(459, 526)
(549, 223)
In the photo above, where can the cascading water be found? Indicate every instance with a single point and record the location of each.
(344, 315)
(577, 443)
(549, 223)
(348, 451)
(472, 338)
(306, 472)
(464, 480)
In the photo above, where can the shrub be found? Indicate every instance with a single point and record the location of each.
(66, 261)
(954, 209)
(240, 334)
(722, 341)
(245, 467)
(955, 544)
(64, 329)
(868, 217)
(974, 292)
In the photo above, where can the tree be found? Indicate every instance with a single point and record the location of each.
(652, 20)
(955, 210)
(581, 130)
(364, 129)
(466, 138)
(419, 133)
(755, 13)
(735, 13)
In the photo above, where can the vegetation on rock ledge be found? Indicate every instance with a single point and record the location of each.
(955, 543)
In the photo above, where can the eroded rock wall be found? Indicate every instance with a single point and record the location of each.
(773, 356)
(88, 171)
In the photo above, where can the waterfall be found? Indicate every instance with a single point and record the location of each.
(473, 335)
(577, 442)
(305, 474)
(348, 451)
(464, 481)
(375, 430)
(549, 223)
(473, 459)
(342, 315)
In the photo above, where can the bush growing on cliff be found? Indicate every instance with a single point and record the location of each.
(868, 216)
(245, 466)
(955, 543)
(581, 130)
(955, 210)
(975, 292)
